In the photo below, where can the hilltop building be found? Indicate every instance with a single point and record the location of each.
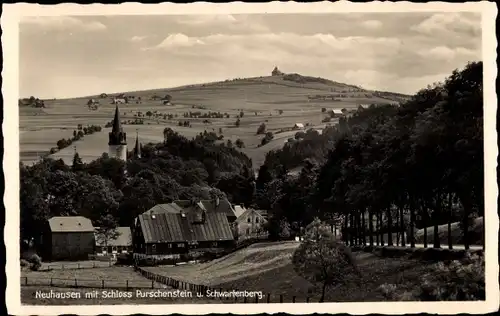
(276, 72)
(117, 139)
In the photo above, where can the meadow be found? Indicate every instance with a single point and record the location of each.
(260, 99)
(267, 267)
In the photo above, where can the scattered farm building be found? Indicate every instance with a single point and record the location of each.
(336, 112)
(119, 101)
(122, 244)
(298, 126)
(67, 238)
(169, 230)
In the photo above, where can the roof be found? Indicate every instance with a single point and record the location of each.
(210, 206)
(239, 210)
(299, 124)
(167, 226)
(337, 111)
(124, 239)
(249, 211)
(117, 125)
(70, 224)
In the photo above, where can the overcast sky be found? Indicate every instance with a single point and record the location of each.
(400, 52)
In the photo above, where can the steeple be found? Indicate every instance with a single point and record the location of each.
(137, 148)
(117, 136)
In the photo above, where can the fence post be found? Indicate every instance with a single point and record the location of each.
(268, 297)
(307, 299)
(245, 299)
(51, 284)
(281, 298)
(102, 283)
(76, 283)
(152, 284)
(293, 299)
(127, 285)
(256, 299)
(26, 281)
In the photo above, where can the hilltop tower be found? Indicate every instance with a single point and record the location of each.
(117, 139)
(137, 148)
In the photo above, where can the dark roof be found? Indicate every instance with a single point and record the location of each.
(211, 206)
(124, 239)
(117, 125)
(68, 224)
(167, 225)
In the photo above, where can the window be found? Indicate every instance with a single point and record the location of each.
(169, 245)
(256, 220)
(110, 249)
(249, 220)
(248, 231)
(180, 245)
(214, 244)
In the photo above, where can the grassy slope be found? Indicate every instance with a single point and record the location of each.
(41, 128)
(267, 267)
(476, 232)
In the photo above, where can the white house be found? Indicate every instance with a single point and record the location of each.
(250, 224)
(298, 126)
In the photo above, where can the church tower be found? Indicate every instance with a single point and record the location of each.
(137, 148)
(117, 139)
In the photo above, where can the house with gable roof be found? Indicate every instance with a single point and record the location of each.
(67, 238)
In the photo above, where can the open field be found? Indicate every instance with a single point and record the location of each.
(260, 99)
(267, 267)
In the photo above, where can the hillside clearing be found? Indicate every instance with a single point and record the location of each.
(267, 267)
(258, 98)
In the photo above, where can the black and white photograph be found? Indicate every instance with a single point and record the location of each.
(251, 157)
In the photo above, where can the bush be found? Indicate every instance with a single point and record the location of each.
(36, 262)
(24, 263)
(457, 281)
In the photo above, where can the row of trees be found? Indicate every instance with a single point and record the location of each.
(389, 169)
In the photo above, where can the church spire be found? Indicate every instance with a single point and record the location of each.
(137, 148)
(117, 136)
(117, 125)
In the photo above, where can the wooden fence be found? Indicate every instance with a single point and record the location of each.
(71, 266)
(204, 289)
(91, 283)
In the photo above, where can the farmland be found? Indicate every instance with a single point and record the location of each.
(260, 100)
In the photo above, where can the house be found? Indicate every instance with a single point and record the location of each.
(118, 101)
(121, 244)
(250, 224)
(298, 126)
(336, 113)
(67, 238)
(168, 230)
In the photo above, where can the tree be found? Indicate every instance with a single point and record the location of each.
(237, 123)
(241, 113)
(239, 143)
(77, 163)
(107, 230)
(321, 259)
(261, 129)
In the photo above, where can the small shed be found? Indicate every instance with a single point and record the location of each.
(298, 126)
(121, 244)
(68, 238)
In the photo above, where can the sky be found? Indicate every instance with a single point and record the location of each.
(70, 56)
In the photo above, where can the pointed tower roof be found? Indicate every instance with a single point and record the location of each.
(117, 124)
(137, 148)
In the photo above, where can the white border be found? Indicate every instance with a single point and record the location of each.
(10, 41)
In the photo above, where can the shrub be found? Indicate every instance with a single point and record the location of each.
(457, 281)
(24, 263)
(36, 262)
